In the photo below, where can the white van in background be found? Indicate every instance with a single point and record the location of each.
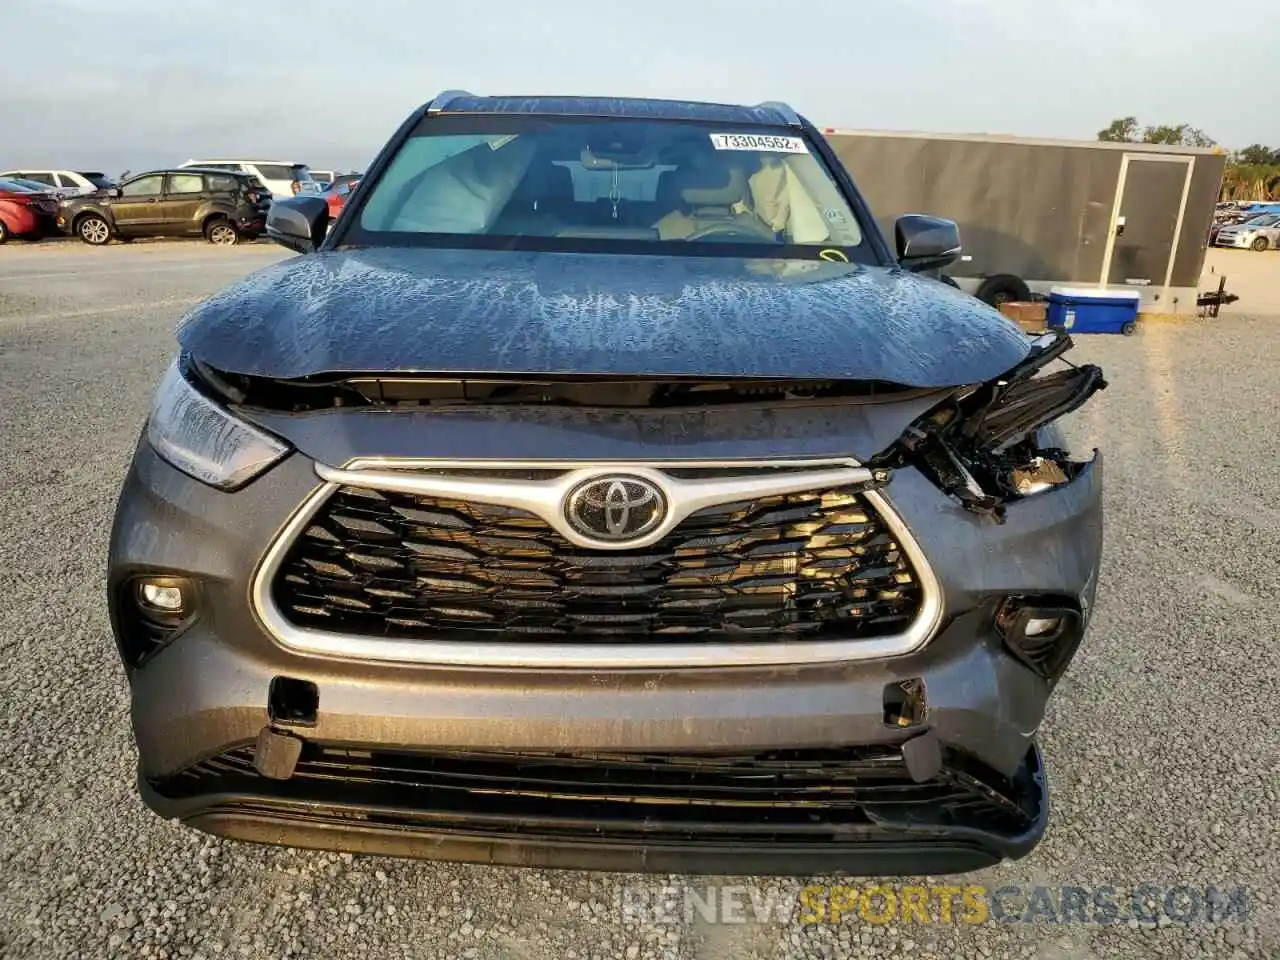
(283, 178)
(65, 183)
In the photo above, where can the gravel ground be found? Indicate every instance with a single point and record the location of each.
(1163, 754)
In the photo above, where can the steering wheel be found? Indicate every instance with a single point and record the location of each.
(733, 228)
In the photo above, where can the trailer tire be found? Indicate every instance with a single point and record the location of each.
(1002, 288)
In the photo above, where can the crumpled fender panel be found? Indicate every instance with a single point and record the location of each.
(402, 310)
(988, 444)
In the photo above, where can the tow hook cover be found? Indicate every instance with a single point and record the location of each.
(276, 754)
(922, 755)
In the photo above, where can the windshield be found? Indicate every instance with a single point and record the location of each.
(19, 186)
(98, 180)
(1263, 220)
(594, 184)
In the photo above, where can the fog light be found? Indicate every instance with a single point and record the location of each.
(150, 611)
(161, 597)
(1043, 632)
(1040, 626)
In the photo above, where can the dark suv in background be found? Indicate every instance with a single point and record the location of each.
(221, 206)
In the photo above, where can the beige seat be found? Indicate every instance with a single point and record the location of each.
(704, 194)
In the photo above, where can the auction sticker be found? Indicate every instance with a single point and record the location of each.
(758, 141)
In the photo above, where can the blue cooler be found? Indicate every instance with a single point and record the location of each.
(1094, 310)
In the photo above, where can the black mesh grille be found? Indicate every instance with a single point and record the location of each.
(818, 563)
(796, 794)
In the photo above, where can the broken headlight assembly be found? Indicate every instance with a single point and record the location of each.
(982, 444)
(201, 438)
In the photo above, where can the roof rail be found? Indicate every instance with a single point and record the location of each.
(444, 99)
(793, 118)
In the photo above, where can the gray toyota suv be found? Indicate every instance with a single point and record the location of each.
(601, 490)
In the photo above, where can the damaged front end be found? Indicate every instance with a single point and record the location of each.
(400, 561)
(985, 444)
(982, 445)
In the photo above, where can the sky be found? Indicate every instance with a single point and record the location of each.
(132, 84)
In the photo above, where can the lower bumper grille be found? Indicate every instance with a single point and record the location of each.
(818, 564)
(792, 796)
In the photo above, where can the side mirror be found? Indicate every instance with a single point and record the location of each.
(298, 223)
(116, 192)
(926, 243)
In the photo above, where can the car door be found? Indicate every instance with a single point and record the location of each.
(67, 186)
(184, 195)
(137, 210)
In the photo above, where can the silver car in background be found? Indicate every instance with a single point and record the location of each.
(1259, 233)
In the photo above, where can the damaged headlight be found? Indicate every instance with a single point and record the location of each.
(1037, 475)
(203, 440)
(982, 445)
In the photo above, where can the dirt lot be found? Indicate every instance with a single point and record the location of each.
(1253, 277)
(1163, 755)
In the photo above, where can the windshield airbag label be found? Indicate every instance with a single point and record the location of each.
(756, 141)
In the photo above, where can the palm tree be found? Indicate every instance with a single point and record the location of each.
(1251, 181)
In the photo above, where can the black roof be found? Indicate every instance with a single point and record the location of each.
(765, 114)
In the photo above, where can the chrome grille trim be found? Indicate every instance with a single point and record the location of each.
(543, 497)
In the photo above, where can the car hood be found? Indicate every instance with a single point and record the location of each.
(422, 310)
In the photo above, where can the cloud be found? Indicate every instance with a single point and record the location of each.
(140, 83)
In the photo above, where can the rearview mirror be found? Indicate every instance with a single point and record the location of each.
(926, 243)
(298, 223)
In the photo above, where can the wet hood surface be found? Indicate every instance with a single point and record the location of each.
(405, 310)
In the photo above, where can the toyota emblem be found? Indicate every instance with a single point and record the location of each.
(617, 508)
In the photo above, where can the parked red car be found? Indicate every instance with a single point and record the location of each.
(24, 211)
(336, 196)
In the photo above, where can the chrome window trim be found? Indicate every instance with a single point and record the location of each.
(532, 495)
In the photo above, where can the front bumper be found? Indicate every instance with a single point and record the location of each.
(310, 812)
(205, 696)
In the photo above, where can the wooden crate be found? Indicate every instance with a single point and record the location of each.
(1028, 314)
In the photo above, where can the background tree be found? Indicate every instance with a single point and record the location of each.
(1183, 135)
(1251, 181)
(1123, 130)
(1126, 130)
(1257, 155)
(1251, 174)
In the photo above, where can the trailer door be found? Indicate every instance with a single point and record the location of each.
(1146, 219)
